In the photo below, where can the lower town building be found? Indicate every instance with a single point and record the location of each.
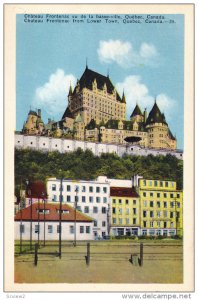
(125, 214)
(161, 207)
(43, 221)
(92, 199)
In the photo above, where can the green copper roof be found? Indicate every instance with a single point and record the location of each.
(155, 116)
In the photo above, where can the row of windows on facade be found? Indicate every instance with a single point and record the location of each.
(165, 195)
(159, 204)
(160, 224)
(83, 199)
(158, 232)
(82, 189)
(50, 229)
(157, 183)
(159, 214)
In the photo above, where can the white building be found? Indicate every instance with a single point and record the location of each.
(92, 199)
(48, 217)
(45, 143)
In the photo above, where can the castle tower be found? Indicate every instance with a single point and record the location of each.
(137, 115)
(159, 134)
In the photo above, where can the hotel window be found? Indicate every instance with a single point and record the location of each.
(91, 189)
(158, 224)
(91, 199)
(150, 183)
(104, 199)
(166, 184)
(144, 223)
(172, 224)
(81, 229)
(151, 224)
(144, 194)
(103, 223)
(171, 214)
(158, 204)
(95, 210)
(158, 195)
(86, 209)
(151, 214)
(127, 211)
(78, 208)
(151, 203)
(165, 204)
(172, 184)
(134, 211)
(145, 203)
(58, 228)
(104, 189)
(83, 188)
(134, 221)
(97, 189)
(161, 183)
(165, 214)
(134, 202)
(127, 201)
(113, 210)
(53, 187)
(144, 182)
(120, 201)
(165, 195)
(151, 194)
(120, 220)
(95, 223)
(68, 188)
(158, 214)
(171, 195)
(165, 224)
(120, 211)
(172, 204)
(127, 221)
(50, 229)
(37, 229)
(87, 229)
(104, 210)
(68, 198)
(158, 232)
(22, 228)
(155, 183)
(178, 205)
(144, 213)
(83, 199)
(71, 229)
(114, 220)
(98, 199)
(144, 232)
(178, 195)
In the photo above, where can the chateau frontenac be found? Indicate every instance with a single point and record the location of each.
(97, 113)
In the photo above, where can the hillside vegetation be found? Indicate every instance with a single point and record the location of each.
(37, 165)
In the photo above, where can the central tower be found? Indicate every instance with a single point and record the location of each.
(95, 97)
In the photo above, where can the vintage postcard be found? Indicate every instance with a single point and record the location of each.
(99, 148)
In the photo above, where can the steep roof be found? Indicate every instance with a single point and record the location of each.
(136, 112)
(52, 213)
(155, 116)
(123, 192)
(67, 114)
(32, 113)
(89, 76)
(91, 125)
(171, 135)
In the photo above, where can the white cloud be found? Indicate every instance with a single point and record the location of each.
(125, 55)
(52, 95)
(137, 92)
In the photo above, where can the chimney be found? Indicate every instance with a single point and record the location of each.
(135, 180)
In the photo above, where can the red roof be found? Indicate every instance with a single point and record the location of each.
(36, 189)
(123, 192)
(52, 213)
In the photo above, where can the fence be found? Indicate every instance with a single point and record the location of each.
(133, 253)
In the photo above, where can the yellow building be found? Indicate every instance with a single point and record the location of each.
(161, 207)
(124, 211)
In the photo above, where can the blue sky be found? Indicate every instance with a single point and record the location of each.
(146, 60)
